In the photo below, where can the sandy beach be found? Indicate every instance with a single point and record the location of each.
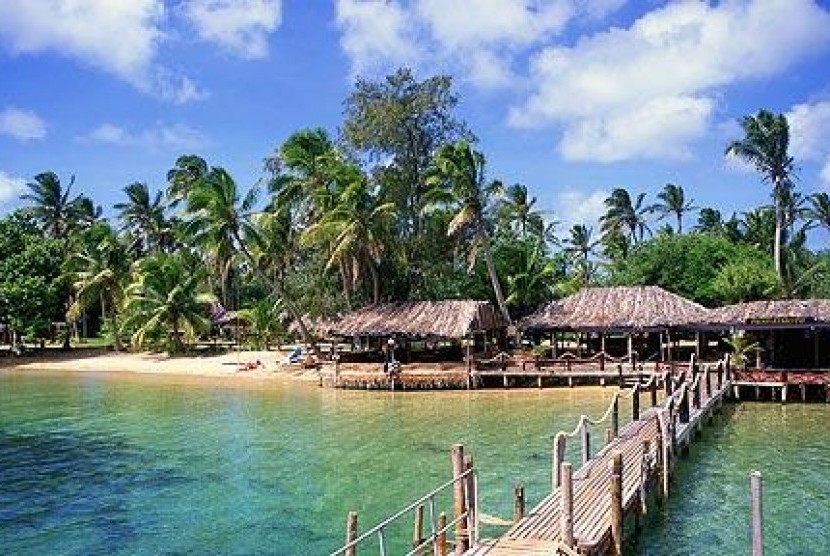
(231, 364)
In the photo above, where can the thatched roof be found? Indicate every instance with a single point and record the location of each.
(616, 308)
(446, 319)
(783, 313)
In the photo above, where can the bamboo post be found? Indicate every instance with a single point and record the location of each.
(756, 487)
(635, 403)
(616, 504)
(418, 529)
(586, 443)
(351, 533)
(518, 503)
(558, 458)
(441, 540)
(566, 505)
(462, 539)
(615, 417)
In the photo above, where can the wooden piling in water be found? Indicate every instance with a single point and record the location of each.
(518, 503)
(756, 494)
(616, 504)
(566, 502)
(351, 533)
(462, 538)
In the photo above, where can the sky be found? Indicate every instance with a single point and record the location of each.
(569, 97)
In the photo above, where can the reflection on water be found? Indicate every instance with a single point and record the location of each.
(95, 464)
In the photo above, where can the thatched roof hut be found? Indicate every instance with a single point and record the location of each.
(444, 319)
(616, 308)
(783, 313)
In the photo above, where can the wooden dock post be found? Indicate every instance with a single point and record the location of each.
(615, 417)
(586, 442)
(609, 437)
(566, 505)
(708, 382)
(616, 504)
(620, 380)
(756, 487)
(635, 403)
(351, 533)
(683, 410)
(441, 540)
(418, 528)
(660, 465)
(559, 443)
(720, 375)
(653, 391)
(462, 538)
(470, 490)
(518, 503)
(669, 385)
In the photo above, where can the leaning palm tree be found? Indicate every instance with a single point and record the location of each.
(517, 207)
(457, 178)
(53, 206)
(819, 211)
(623, 215)
(766, 146)
(184, 176)
(167, 300)
(98, 271)
(673, 203)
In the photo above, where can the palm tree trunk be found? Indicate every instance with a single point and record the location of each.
(779, 225)
(345, 279)
(494, 280)
(375, 282)
(679, 223)
(280, 292)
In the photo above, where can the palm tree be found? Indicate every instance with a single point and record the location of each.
(97, 272)
(263, 319)
(766, 146)
(623, 215)
(184, 176)
(673, 202)
(758, 229)
(819, 211)
(709, 220)
(356, 231)
(533, 282)
(516, 207)
(167, 299)
(54, 208)
(142, 216)
(457, 176)
(579, 246)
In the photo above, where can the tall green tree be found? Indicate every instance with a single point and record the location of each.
(765, 145)
(673, 202)
(458, 176)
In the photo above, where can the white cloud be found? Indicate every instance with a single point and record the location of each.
(809, 132)
(575, 206)
(480, 40)
(10, 186)
(23, 125)
(650, 90)
(240, 26)
(158, 138)
(121, 38)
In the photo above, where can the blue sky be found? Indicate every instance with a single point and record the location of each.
(570, 97)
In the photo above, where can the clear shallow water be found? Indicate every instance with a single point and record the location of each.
(94, 464)
(708, 512)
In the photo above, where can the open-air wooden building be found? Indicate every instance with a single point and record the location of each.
(646, 319)
(790, 333)
(436, 327)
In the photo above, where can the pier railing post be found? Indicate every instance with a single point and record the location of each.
(669, 385)
(615, 417)
(586, 442)
(756, 487)
(616, 504)
(653, 391)
(635, 403)
(566, 502)
(683, 410)
(708, 377)
(559, 443)
(351, 533)
(720, 375)
(441, 540)
(462, 539)
(660, 467)
(633, 361)
(518, 503)
(418, 527)
(472, 492)
(620, 380)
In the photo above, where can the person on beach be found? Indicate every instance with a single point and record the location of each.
(389, 355)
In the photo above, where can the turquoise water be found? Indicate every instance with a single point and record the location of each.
(94, 464)
(708, 512)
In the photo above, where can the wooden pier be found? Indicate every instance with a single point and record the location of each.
(585, 510)
(589, 499)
